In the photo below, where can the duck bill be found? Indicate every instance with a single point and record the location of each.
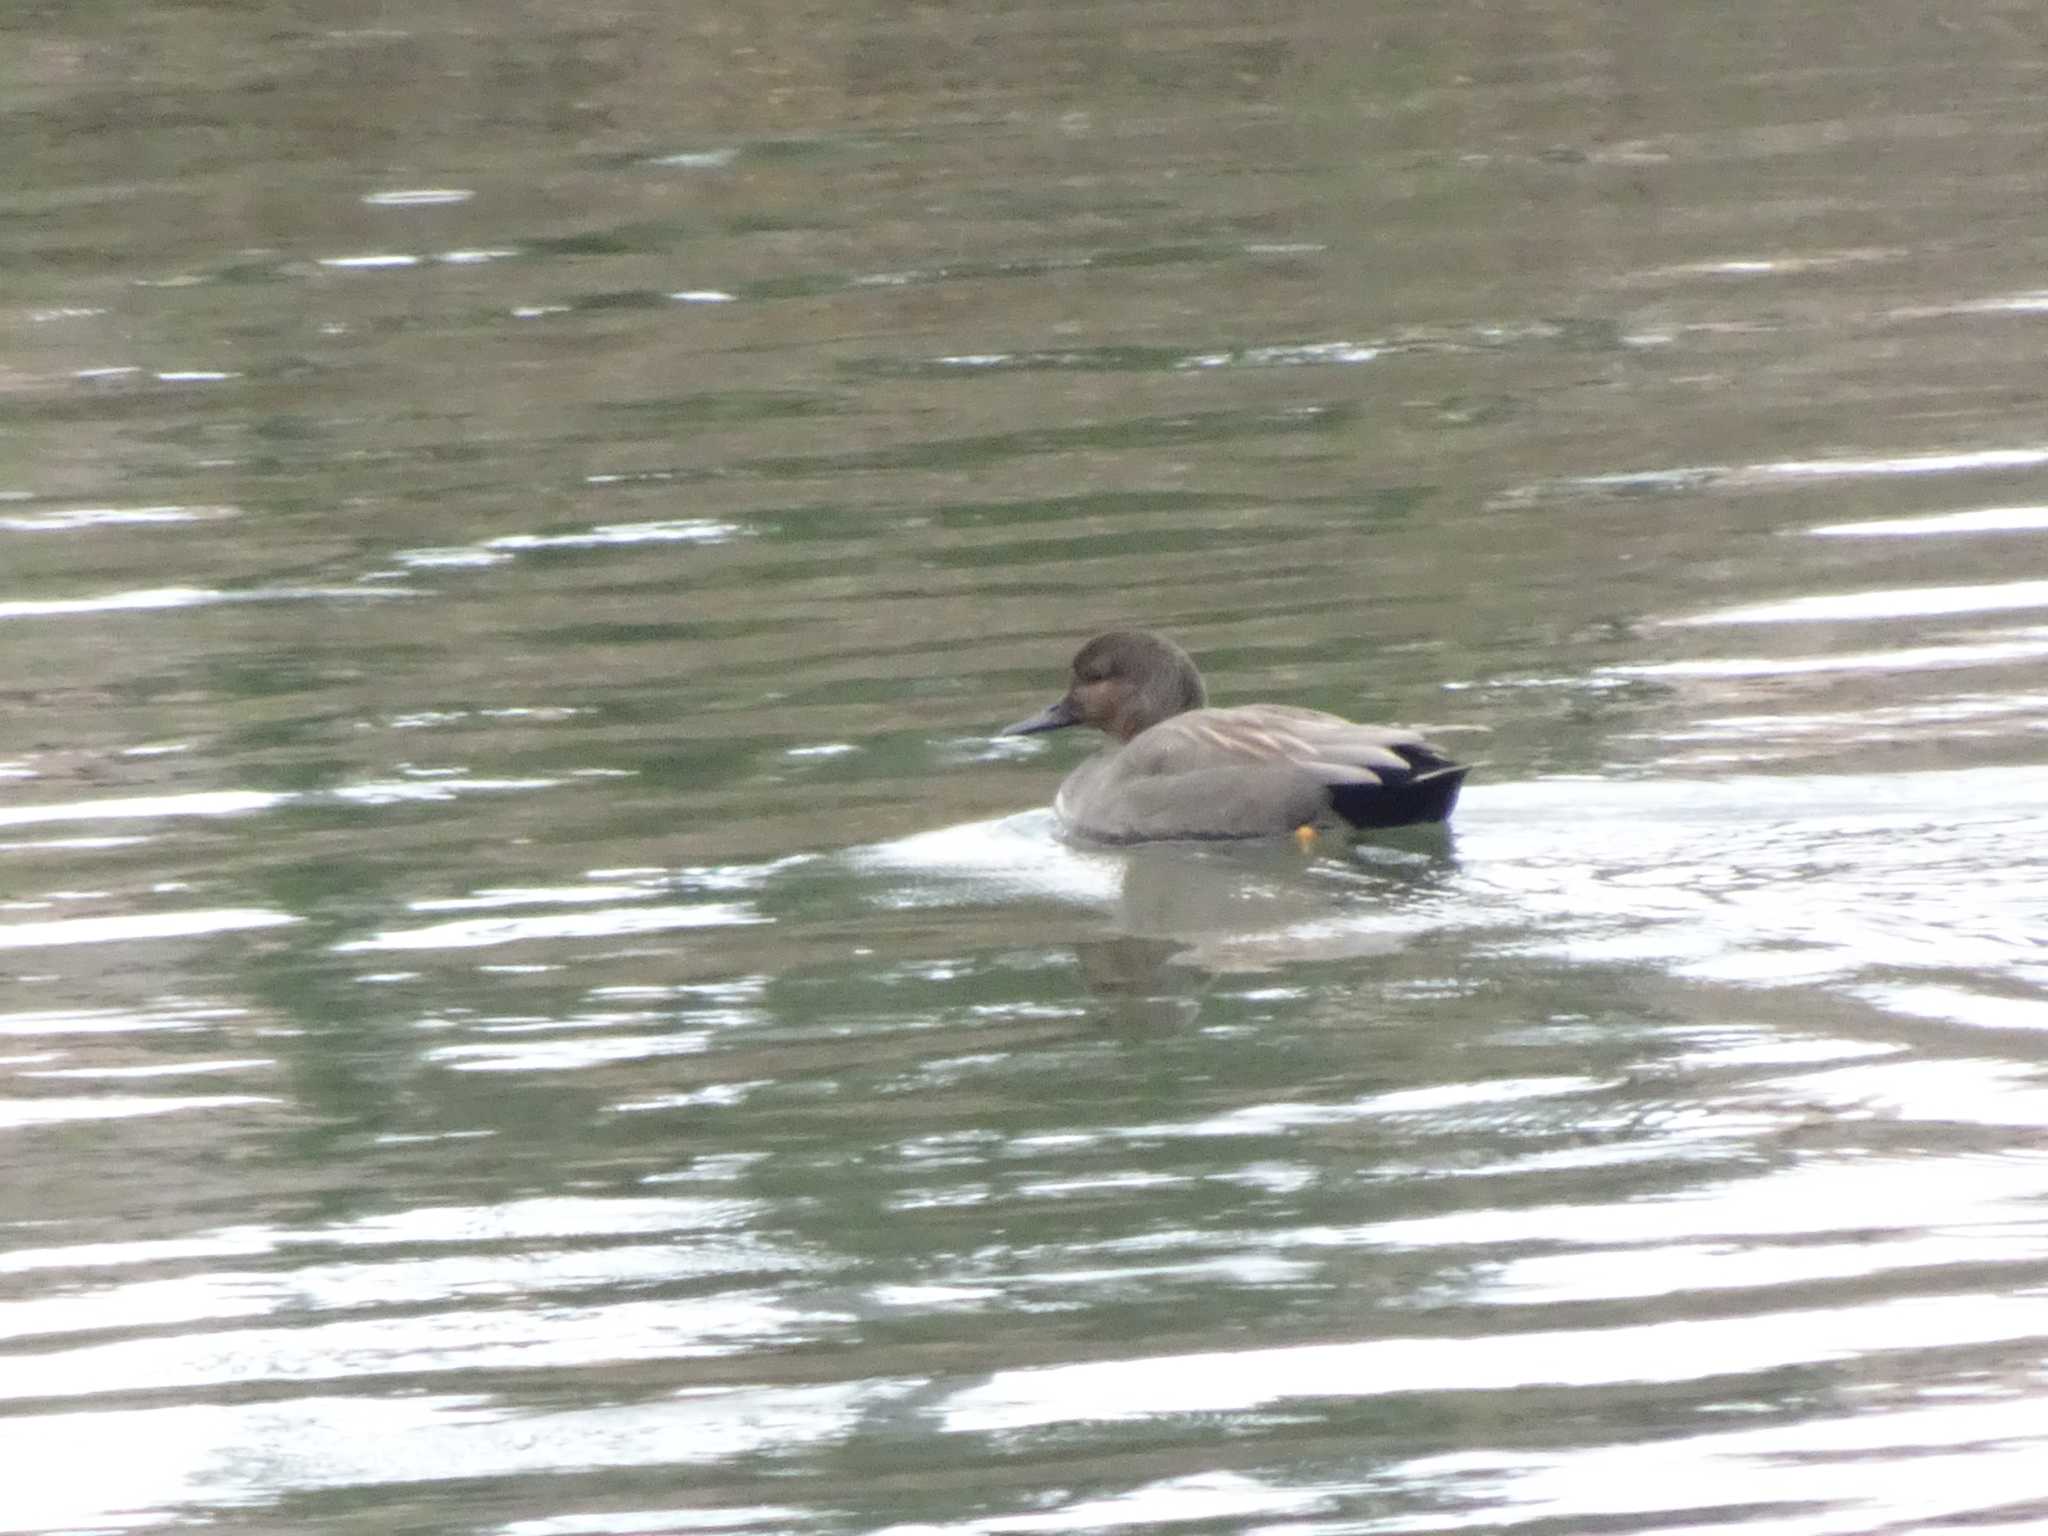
(1052, 718)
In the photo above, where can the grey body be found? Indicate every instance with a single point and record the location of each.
(1178, 769)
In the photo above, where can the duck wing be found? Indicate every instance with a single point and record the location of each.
(1329, 747)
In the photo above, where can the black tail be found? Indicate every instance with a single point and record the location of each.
(1401, 802)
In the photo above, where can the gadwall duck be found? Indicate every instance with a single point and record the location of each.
(1179, 769)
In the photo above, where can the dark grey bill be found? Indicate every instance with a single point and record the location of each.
(1051, 718)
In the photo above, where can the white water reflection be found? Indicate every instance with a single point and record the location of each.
(1250, 1380)
(1433, 1103)
(70, 519)
(1896, 603)
(509, 546)
(1682, 1269)
(188, 1455)
(20, 1113)
(136, 927)
(1199, 1497)
(168, 1069)
(1768, 474)
(1867, 1467)
(1937, 463)
(1018, 856)
(1720, 1088)
(484, 1338)
(472, 933)
(168, 1015)
(568, 1054)
(430, 785)
(1935, 524)
(672, 531)
(112, 602)
(1890, 1200)
(225, 1296)
(650, 1522)
(155, 598)
(2026, 645)
(1959, 1005)
(420, 197)
(1952, 716)
(2033, 301)
(218, 802)
(538, 896)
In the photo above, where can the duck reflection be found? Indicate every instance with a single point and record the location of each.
(1160, 921)
(1184, 913)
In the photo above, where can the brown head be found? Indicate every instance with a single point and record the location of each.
(1122, 682)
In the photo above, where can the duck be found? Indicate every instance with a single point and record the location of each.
(1176, 768)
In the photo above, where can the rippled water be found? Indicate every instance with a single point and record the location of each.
(537, 1005)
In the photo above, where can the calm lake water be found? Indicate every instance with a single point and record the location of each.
(536, 1005)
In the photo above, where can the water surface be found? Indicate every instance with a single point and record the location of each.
(539, 1007)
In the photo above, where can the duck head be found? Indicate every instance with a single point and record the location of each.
(1121, 683)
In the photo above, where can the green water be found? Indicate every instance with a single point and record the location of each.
(537, 1004)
